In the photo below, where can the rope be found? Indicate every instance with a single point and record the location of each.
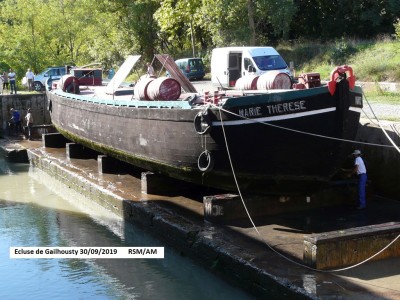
(255, 227)
(380, 125)
(372, 121)
(302, 132)
(234, 176)
(395, 129)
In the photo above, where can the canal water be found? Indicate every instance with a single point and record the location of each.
(33, 214)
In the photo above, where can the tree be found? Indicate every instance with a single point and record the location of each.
(21, 38)
(51, 32)
(40, 33)
(327, 19)
(135, 19)
(179, 23)
(397, 29)
(281, 17)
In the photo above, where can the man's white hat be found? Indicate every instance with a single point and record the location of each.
(356, 152)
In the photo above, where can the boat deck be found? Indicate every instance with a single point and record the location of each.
(125, 96)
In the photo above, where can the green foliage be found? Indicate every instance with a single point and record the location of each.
(283, 12)
(58, 33)
(341, 52)
(226, 22)
(79, 32)
(326, 19)
(373, 60)
(397, 28)
(378, 95)
(178, 23)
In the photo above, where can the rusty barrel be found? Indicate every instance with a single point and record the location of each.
(274, 80)
(164, 88)
(140, 89)
(248, 82)
(69, 84)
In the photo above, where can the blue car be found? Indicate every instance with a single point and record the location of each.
(192, 68)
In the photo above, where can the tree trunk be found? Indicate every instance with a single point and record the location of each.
(192, 33)
(250, 12)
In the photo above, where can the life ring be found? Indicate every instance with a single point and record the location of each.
(202, 122)
(338, 71)
(205, 162)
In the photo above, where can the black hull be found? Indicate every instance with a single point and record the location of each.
(288, 155)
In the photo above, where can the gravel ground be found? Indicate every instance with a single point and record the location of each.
(382, 111)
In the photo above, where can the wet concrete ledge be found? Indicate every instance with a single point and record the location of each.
(210, 246)
(236, 255)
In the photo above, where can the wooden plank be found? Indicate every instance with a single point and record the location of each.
(122, 73)
(173, 69)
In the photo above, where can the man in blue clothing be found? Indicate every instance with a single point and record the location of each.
(361, 171)
(16, 120)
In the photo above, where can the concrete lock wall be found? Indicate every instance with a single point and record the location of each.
(21, 102)
(383, 163)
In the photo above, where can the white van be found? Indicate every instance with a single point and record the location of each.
(230, 63)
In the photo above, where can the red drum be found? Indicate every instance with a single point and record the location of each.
(140, 88)
(248, 82)
(164, 88)
(69, 84)
(274, 80)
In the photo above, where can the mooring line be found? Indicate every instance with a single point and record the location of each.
(302, 132)
(380, 125)
(262, 238)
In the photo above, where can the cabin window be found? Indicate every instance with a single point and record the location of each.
(270, 62)
(87, 73)
(247, 63)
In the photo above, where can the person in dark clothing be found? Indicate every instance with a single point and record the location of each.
(16, 121)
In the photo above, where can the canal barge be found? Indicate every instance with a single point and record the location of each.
(290, 139)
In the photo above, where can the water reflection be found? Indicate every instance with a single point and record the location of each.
(32, 214)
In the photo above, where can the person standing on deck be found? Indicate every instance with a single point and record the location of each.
(150, 70)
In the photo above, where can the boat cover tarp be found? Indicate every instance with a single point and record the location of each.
(175, 73)
(122, 73)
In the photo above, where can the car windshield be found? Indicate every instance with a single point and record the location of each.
(270, 62)
(196, 63)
